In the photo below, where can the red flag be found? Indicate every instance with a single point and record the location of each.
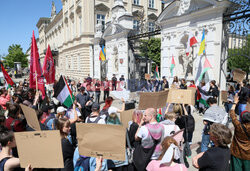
(36, 79)
(48, 67)
(6, 76)
(191, 41)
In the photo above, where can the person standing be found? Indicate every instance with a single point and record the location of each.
(243, 96)
(97, 91)
(240, 158)
(164, 84)
(114, 82)
(106, 89)
(82, 98)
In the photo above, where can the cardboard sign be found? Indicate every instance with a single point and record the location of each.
(101, 140)
(224, 96)
(41, 149)
(181, 96)
(153, 100)
(126, 116)
(239, 75)
(31, 117)
(147, 76)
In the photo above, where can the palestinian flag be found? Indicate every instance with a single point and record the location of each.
(206, 67)
(172, 66)
(63, 93)
(157, 75)
(9, 82)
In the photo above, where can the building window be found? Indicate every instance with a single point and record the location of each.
(136, 25)
(136, 2)
(151, 4)
(101, 19)
(151, 26)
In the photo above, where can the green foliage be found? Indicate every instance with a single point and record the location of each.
(238, 60)
(15, 55)
(152, 49)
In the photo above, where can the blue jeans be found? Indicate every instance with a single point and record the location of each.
(241, 108)
(205, 142)
(228, 106)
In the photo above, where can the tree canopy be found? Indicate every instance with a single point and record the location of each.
(15, 54)
(152, 49)
(239, 58)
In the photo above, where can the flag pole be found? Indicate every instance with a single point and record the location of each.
(36, 83)
(68, 87)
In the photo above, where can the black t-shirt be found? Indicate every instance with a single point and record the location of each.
(68, 153)
(243, 95)
(215, 159)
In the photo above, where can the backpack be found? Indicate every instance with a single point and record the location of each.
(48, 125)
(96, 120)
(82, 164)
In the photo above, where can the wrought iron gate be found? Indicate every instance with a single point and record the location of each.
(236, 29)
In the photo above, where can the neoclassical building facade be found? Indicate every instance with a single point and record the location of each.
(71, 31)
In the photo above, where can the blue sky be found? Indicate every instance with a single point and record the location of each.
(19, 17)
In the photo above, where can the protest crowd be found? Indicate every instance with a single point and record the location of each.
(156, 139)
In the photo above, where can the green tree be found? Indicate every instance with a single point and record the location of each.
(151, 48)
(239, 58)
(15, 54)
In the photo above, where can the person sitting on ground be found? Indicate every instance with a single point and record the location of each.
(7, 141)
(240, 158)
(166, 161)
(216, 158)
(183, 84)
(94, 116)
(63, 125)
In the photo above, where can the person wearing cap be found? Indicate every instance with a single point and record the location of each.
(240, 147)
(94, 117)
(61, 111)
(82, 98)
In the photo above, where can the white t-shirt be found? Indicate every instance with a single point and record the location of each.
(170, 128)
(71, 114)
(143, 134)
